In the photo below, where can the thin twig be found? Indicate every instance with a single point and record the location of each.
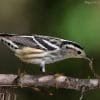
(57, 81)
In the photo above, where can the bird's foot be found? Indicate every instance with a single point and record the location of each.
(19, 77)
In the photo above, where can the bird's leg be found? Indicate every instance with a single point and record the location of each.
(45, 91)
(22, 69)
(42, 67)
(21, 72)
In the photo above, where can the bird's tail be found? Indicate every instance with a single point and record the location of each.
(6, 34)
(5, 38)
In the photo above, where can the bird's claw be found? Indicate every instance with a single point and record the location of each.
(19, 77)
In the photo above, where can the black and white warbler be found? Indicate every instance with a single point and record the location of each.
(41, 50)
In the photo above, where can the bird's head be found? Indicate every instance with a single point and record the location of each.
(73, 50)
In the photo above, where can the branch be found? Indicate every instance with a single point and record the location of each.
(57, 81)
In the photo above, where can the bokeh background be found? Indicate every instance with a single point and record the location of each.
(76, 20)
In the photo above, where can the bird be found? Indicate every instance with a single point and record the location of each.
(41, 49)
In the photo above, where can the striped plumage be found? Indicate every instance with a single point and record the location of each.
(38, 49)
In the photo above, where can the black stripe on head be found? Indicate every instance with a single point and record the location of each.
(71, 43)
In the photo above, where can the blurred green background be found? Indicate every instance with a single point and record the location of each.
(76, 20)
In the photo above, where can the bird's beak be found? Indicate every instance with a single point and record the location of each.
(91, 66)
(88, 59)
(90, 62)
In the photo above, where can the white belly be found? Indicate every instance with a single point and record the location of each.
(39, 57)
(32, 61)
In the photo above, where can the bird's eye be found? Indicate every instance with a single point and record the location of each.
(79, 52)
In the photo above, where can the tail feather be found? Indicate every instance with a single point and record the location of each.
(6, 34)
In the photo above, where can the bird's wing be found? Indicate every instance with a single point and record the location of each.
(47, 43)
(35, 41)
